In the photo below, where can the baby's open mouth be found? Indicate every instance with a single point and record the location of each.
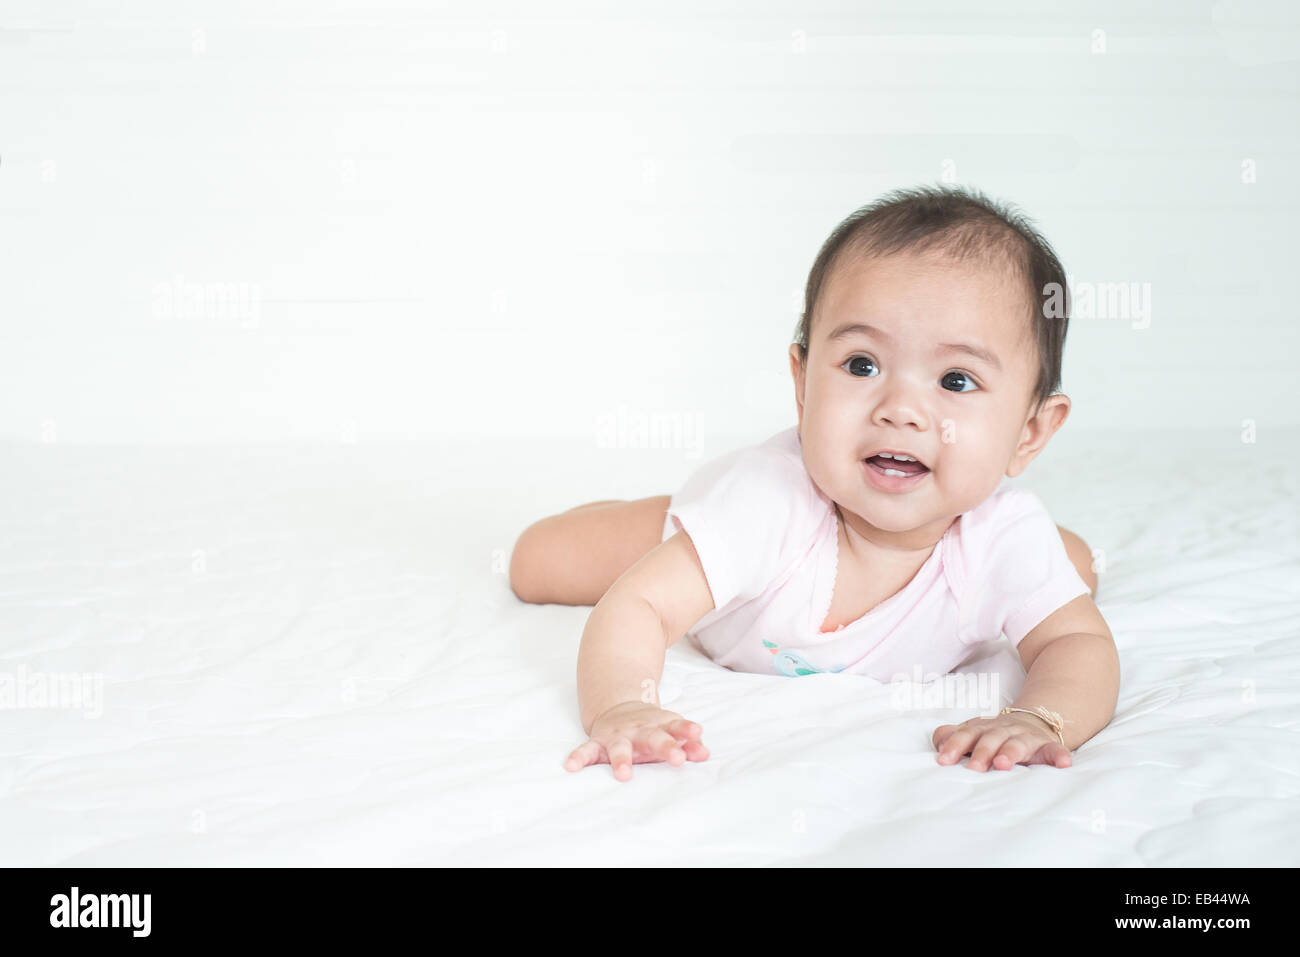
(893, 466)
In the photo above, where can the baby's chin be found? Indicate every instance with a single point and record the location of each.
(896, 520)
(889, 513)
(900, 512)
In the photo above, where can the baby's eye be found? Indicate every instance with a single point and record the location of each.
(862, 364)
(959, 378)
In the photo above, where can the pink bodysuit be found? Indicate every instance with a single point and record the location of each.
(768, 539)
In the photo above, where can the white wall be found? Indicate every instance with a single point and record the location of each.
(494, 219)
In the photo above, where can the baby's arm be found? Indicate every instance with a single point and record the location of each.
(621, 660)
(1073, 670)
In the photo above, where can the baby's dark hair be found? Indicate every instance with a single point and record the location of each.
(966, 226)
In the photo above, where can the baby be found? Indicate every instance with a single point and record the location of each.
(877, 535)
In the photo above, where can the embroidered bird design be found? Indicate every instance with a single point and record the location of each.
(791, 664)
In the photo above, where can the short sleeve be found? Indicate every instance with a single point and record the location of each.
(1024, 573)
(749, 515)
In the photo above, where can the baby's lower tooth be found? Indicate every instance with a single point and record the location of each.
(894, 472)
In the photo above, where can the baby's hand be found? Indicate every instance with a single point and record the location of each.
(637, 733)
(1001, 742)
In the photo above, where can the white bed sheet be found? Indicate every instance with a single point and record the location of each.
(311, 655)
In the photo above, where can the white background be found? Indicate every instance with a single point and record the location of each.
(528, 219)
(483, 233)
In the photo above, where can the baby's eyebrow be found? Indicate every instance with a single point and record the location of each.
(858, 329)
(970, 350)
(862, 329)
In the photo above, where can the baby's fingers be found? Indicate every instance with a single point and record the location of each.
(620, 758)
(1019, 751)
(1053, 754)
(941, 734)
(681, 728)
(1014, 751)
(688, 738)
(954, 745)
(695, 751)
(583, 755)
(663, 746)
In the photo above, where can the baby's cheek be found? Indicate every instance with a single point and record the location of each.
(969, 474)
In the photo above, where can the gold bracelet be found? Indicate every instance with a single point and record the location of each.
(1051, 717)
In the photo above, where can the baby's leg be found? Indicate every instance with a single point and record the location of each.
(1081, 555)
(572, 558)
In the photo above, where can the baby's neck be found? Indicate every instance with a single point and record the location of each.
(868, 543)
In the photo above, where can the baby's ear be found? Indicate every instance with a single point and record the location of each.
(797, 372)
(1039, 427)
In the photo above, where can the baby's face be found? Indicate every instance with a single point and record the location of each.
(901, 386)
